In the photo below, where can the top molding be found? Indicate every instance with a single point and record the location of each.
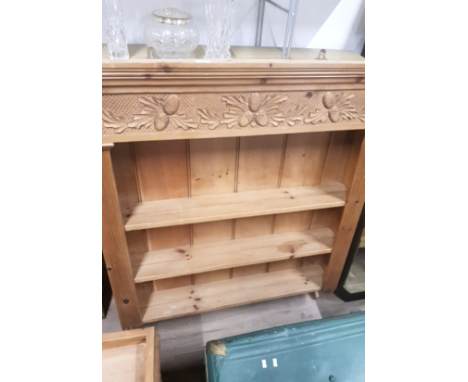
(253, 66)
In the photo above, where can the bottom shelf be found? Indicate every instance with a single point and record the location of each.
(194, 299)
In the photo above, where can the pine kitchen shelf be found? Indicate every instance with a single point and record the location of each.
(230, 182)
(189, 300)
(188, 260)
(199, 209)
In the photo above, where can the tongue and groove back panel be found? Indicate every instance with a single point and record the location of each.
(149, 171)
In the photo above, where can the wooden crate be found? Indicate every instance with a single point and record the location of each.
(131, 356)
(229, 183)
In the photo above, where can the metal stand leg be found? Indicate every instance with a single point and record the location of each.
(290, 25)
(288, 36)
(260, 17)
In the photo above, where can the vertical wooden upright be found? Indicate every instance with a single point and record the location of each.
(114, 246)
(347, 228)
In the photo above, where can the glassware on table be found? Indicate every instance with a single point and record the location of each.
(171, 33)
(113, 22)
(218, 25)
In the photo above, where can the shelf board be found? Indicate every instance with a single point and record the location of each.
(187, 260)
(194, 299)
(171, 212)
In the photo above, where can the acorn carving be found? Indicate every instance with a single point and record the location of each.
(255, 102)
(245, 119)
(262, 118)
(161, 122)
(255, 114)
(329, 100)
(170, 104)
(338, 106)
(159, 113)
(256, 110)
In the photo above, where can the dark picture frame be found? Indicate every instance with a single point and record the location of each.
(340, 291)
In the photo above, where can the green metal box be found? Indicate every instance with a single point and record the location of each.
(322, 350)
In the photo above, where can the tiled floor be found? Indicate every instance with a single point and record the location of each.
(183, 339)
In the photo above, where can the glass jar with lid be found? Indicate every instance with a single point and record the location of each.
(171, 33)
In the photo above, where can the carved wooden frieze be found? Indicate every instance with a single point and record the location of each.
(126, 114)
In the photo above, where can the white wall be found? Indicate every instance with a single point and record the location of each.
(328, 24)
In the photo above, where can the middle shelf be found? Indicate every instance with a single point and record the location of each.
(200, 209)
(186, 260)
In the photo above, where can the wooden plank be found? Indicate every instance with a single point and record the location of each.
(327, 218)
(252, 227)
(149, 355)
(194, 134)
(212, 166)
(350, 170)
(138, 53)
(228, 293)
(157, 358)
(229, 206)
(136, 242)
(130, 356)
(259, 162)
(292, 222)
(304, 159)
(337, 156)
(203, 234)
(209, 257)
(162, 170)
(175, 282)
(168, 237)
(348, 224)
(114, 248)
(125, 174)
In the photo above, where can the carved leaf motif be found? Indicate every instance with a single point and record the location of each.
(271, 103)
(142, 120)
(230, 119)
(110, 120)
(180, 120)
(152, 106)
(362, 115)
(270, 106)
(212, 120)
(294, 114)
(319, 116)
(238, 104)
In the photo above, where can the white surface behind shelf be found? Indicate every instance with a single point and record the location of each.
(328, 24)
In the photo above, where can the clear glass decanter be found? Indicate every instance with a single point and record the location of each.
(113, 22)
(218, 25)
(171, 33)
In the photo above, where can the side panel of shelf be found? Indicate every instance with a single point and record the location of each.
(115, 250)
(350, 218)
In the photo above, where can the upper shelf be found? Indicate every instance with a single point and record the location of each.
(138, 54)
(208, 208)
